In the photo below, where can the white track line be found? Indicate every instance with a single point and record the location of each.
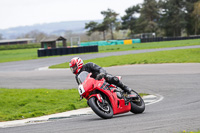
(150, 99)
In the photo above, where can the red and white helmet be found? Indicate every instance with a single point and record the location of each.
(76, 64)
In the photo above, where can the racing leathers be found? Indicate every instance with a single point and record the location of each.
(99, 73)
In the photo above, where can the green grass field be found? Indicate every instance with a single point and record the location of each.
(25, 103)
(18, 55)
(150, 45)
(172, 56)
(190, 131)
(28, 54)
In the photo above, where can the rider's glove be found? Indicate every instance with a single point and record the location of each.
(100, 76)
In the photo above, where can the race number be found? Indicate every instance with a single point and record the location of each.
(81, 89)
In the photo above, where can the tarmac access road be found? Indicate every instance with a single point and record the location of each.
(177, 83)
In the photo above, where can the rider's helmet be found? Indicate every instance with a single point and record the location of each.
(76, 64)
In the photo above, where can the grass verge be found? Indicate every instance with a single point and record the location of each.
(172, 56)
(28, 54)
(18, 104)
(25, 103)
(190, 131)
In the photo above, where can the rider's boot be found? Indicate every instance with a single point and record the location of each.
(124, 87)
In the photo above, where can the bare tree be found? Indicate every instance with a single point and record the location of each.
(37, 35)
(1, 37)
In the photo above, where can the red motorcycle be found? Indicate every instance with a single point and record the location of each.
(106, 99)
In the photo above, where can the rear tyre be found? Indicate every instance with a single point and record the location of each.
(105, 111)
(137, 104)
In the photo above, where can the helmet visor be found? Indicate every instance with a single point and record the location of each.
(74, 68)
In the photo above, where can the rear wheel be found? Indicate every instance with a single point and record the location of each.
(103, 110)
(137, 104)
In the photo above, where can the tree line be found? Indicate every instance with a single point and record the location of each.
(163, 17)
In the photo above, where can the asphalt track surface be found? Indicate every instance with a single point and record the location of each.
(179, 84)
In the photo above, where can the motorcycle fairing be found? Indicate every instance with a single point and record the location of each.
(98, 96)
(117, 104)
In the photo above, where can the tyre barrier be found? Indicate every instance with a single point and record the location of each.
(65, 51)
(158, 39)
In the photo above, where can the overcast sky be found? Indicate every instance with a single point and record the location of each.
(28, 12)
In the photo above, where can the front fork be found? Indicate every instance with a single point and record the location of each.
(81, 97)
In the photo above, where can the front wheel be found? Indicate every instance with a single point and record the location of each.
(137, 104)
(103, 110)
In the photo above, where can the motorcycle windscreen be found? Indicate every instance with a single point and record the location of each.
(82, 76)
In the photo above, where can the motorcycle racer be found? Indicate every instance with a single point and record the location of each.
(77, 66)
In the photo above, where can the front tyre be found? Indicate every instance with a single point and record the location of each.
(137, 105)
(103, 110)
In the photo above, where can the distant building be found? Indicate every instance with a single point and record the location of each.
(51, 42)
(17, 41)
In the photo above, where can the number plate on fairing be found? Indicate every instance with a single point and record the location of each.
(81, 90)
